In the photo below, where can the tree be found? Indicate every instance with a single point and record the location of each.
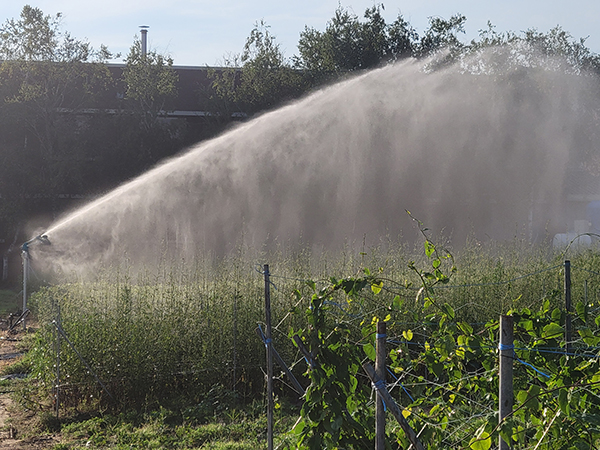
(150, 82)
(46, 78)
(347, 44)
(442, 34)
(49, 71)
(264, 79)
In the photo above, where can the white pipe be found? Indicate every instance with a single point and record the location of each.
(25, 255)
(144, 33)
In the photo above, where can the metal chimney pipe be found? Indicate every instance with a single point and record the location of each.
(144, 33)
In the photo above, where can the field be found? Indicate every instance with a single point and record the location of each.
(179, 345)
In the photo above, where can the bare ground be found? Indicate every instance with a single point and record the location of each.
(15, 423)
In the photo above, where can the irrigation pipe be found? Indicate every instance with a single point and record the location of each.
(63, 334)
(20, 319)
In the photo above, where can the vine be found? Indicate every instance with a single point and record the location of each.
(446, 370)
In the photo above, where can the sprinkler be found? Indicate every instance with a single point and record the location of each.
(43, 240)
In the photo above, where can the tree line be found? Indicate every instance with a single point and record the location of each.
(63, 132)
(261, 76)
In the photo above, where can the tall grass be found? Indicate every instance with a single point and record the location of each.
(172, 333)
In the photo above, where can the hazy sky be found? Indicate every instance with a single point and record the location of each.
(202, 32)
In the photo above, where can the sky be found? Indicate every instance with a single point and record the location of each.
(202, 32)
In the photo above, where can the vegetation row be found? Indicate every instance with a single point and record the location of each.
(168, 338)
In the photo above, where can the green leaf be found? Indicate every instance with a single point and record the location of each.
(563, 401)
(448, 310)
(522, 396)
(582, 311)
(556, 314)
(369, 351)
(429, 248)
(397, 303)
(465, 328)
(408, 335)
(527, 325)
(546, 306)
(552, 330)
(376, 287)
(483, 441)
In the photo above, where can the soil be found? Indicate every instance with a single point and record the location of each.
(16, 424)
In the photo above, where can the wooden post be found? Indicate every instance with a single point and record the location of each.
(393, 407)
(57, 398)
(235, 301)
(568, 307)
(506, 350)
(270, 402)
(380, 372)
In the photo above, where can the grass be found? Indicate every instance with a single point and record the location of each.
(10, 301)
(232, 427)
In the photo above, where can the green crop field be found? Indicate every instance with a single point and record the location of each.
(168, 338)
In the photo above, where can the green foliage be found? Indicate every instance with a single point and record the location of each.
(164, 428)
(150, 81)
(334, 413)
(264, 78)
(347, 44)
(9, 301)
(452, 366)
(442, 34)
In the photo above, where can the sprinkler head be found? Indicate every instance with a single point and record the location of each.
(44, 239)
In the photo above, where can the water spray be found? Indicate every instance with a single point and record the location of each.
(478, 156)
(43, 240)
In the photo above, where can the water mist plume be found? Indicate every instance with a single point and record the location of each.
(466, 153)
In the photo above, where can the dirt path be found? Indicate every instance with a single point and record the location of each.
(14, 423)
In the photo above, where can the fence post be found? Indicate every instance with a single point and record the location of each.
(235, 300)
(506, 350)
(380, 372)
(393, 407)
(270, 403)
(568, 307)
(57, 398)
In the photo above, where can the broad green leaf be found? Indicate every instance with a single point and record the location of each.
(369, 351)
(483, 440)
(465, 328)
(552, 330)
(582, 311)
(448, 310)
(556, 314)
(563, 401)
(527, 325)
(376, 287)
(408, 335)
